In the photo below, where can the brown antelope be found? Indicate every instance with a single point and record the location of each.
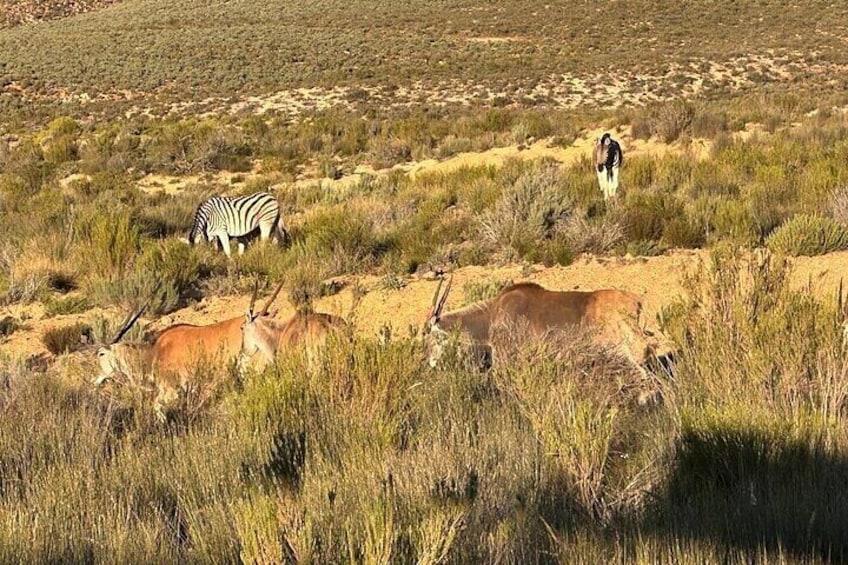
(264, 338)
(170, 360)
(612, 315)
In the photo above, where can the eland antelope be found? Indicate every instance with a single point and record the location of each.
(264, 338)
(169, 361)
(608, 160)
(613, 316)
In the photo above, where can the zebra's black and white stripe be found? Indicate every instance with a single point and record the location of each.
(608, 159)
(225, 217)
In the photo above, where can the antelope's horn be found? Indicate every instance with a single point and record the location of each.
(133, 318)
(253, 297)
(432, 309)
(444, 298)
(272, 299)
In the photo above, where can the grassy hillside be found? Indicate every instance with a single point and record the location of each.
(369, 456)
(192, 50)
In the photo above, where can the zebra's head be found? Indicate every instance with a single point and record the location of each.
(199, 226)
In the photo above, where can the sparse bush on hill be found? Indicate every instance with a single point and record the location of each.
(8, 326)
(598, 235)
(66, 339)
(475, 291)
(528, 212)
(667, 120)
(839, 205)
(67, 305)
(809, 235)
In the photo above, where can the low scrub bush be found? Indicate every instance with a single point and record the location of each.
(475, 291)
(809, 235)
(109, 243)
(66, 339)
(597, 235)
(667, 120)
(8, 326)
(166, 216)
(645, 215)
(839, 205)
(528, 212)
(683, 232)
(345, 234)
(66, 305)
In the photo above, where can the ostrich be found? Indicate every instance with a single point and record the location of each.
(608, 158)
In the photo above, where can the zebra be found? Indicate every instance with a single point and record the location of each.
(608, 159)
(237, 216)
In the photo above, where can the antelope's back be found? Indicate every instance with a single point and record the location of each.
(545, 309)
(313, 327)
(180, 347)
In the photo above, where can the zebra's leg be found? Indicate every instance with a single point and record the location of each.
(265, 231)
(240, 247)
(225, 243)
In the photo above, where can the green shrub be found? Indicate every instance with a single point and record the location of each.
(709, 124)
(179, 268)
(809, 235)
(528, 212)
(165, 215)
(475, 291)
(666, 120)
(305, 281)
(732, 220)
(67, 305)
(598, 235)
(683, 232)
(108, 242)
(531, 126)
(645, 248)
(387, 152)
(8, 326)
(645, 215)
(67, 338)
(346, 234)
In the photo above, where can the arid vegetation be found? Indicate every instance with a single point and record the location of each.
(402, 142)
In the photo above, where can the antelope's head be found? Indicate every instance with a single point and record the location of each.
(114, 359)
(435, 337)
(255, 334)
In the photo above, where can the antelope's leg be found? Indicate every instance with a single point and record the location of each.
(164, 397)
